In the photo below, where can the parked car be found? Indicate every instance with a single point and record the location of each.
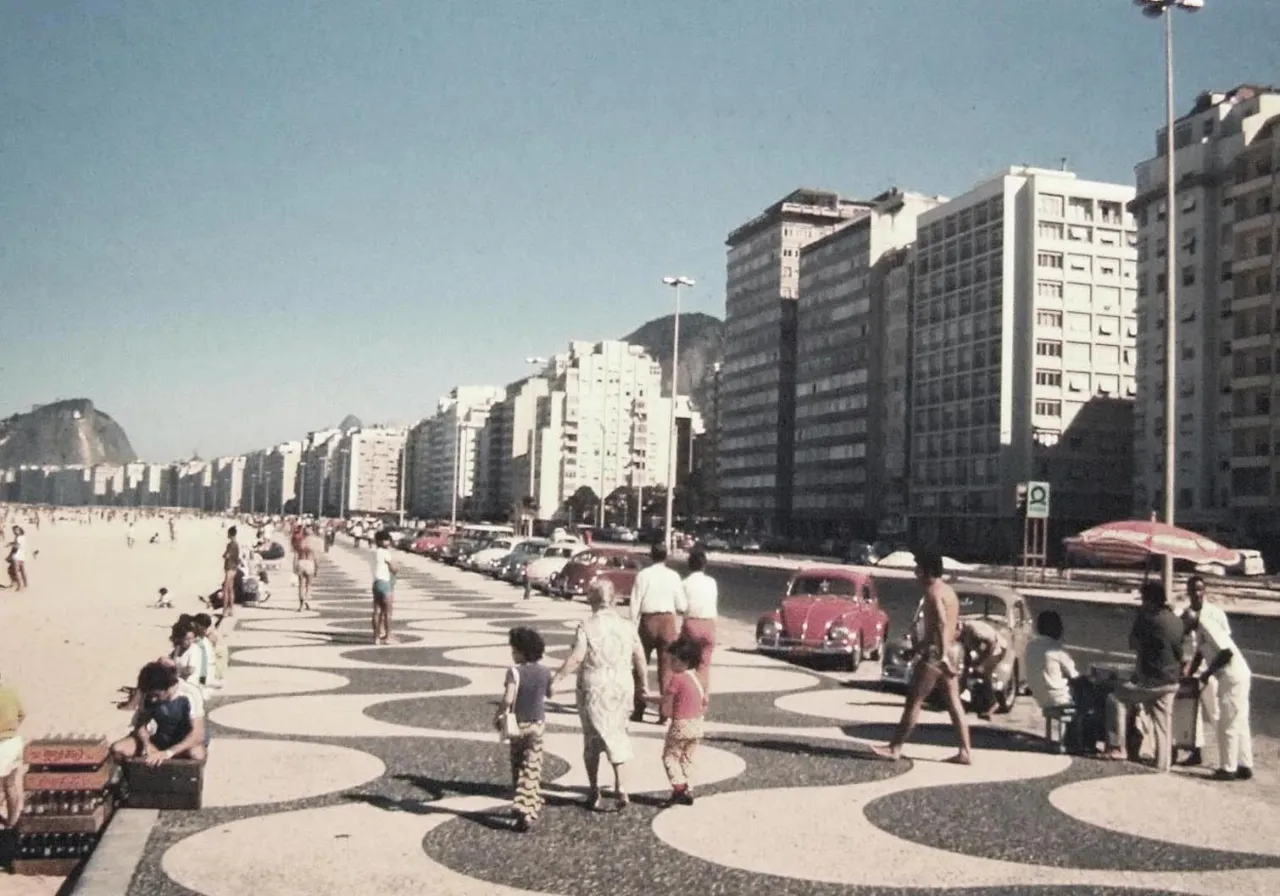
(713, 541)
(512, 567)
(1001, 607)
(492, 552)
(826, 613)
(553, 559)
(617, 566)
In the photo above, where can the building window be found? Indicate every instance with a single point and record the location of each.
(1050, 205)
(1048, 290)
(1049, 260)
(1048, 378)
(1048, 409)
(1049, 319)
(1050, 230)
(1189, 275)
(1046, 348)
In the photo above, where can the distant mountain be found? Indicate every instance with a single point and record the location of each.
(64, 432)
(351, 421)
(701, 346)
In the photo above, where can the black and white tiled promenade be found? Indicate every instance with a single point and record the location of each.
(341, 767)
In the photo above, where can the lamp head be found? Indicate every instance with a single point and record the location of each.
(678, 281)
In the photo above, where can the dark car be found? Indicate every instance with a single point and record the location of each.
(617, 566)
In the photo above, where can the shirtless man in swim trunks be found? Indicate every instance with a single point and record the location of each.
(940, 661)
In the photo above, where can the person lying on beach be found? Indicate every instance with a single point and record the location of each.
(169, 723)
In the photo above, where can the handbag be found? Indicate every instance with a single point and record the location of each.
(510, 725)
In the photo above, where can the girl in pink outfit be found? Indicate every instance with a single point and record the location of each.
(684, 702)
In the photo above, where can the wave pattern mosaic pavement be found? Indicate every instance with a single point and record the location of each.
(341, 767)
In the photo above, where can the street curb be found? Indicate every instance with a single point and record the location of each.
(115, 860)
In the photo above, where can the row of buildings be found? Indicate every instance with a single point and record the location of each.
(899, 364)
(594, 417)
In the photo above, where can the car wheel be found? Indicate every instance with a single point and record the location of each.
(877, 652)
(1009, 696)
(855, 654)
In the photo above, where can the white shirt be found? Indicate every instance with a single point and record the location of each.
(20, 549)
(657, 589)
(381, 565)
(1213, 635)
(699, 597)
(1049, 669)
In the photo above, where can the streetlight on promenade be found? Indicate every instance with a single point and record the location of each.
(675, 283)
(1164, 9)
(533, 449)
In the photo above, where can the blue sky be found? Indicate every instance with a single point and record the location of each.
(229, 223)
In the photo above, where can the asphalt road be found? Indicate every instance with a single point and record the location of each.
(1096, 633)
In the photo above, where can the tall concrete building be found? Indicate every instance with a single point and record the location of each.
(444, 453)
(848, 443)
(1225, 204)
(503, 481)
(228, 483)
(1023, 369)
(369, 461)
(318, 461)
(757, 381)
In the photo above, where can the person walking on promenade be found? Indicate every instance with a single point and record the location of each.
(305, 567)
(940, 661)
(12, 767)
(524, 695)
(1228, 670)
(685, 704)
(230, 566)
(1208, 703)
(17, 560)
(384, 587)
(655, 595)
(698, 603)
(173, 532)
(128, 533)
(609, 660)
(1156, 638)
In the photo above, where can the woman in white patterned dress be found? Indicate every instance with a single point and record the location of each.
(606, 654)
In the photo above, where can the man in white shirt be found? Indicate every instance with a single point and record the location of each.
(698, 602)
(1050, 669)
(1225, 664)
(654, 598)
(1207, 705)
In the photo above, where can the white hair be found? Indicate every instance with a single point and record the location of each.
(601, 593)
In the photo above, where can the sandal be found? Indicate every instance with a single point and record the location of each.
(624, 801)
(593, 800)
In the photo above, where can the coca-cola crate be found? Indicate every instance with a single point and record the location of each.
(90, 823)
(173, 784)
(44, 867)
(94, 780)
(84, 753)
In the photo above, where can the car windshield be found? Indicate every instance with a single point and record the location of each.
(823, 585)
(558, 551)
(982, 606)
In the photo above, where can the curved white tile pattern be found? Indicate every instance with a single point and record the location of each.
(246, 772)
(262, 681)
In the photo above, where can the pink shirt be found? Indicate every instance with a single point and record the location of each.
(687, 699)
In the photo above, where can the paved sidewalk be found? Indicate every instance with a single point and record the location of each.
(341, 767)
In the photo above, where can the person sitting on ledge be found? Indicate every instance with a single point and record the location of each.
(169, 723)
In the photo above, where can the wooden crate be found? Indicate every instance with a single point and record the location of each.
(174, 784)
(66, 824)
(44, 867)
(85, 755)
(92, 780)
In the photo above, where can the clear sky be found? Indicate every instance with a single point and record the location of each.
(231, 222)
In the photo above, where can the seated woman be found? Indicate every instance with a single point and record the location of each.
(1050, 668)
(169, 723)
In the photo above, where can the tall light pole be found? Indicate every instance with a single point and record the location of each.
(1164, 9)
(404, 446)
(603, 438)
(302, 488)
(675, 283)
(533, 449)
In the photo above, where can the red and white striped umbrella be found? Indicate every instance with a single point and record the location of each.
(1133, 541)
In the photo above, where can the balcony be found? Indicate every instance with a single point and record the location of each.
(1250, 500)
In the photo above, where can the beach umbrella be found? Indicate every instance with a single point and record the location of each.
(1135, 541)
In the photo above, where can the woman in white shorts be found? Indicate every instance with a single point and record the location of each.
(11, 747)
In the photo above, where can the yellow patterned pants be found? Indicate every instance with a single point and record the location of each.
(678, 749)
(526, 769)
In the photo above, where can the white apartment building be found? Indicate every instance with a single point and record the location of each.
(106, 482)
(1225, 203)
(444, 452)
(1025, 335)
(850, 408)
(757, 381)
(369, 461)
(228, 483)
(605, 423)
(315, 493)
(504, 471)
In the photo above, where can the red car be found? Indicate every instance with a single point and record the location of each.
(826, 613)
(618, 566)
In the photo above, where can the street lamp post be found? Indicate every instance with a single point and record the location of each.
(603, 438)
(1164, 9)
(533, 450)
(675, 283)
(345, 455)
(400, 477)
(302, 489)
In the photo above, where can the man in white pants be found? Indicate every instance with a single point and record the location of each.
(1226, 664)
(1207, 705)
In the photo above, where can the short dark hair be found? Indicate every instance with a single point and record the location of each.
(697, 560)
(382, 537)
(157, 677)
(1153, 595)
(528, 643)
(929, 562)
(658, 552)
(231, 532)
(687, 651)
(1196, 580)
(203, 620)
(180, 629)
(1049, 624)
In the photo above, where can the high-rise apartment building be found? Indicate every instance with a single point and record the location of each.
(757, 381)
(228, 483)
(369, 461)
(444, 452)
(849, 373)
(504, 469)
(1225, 203)
(280, 476)
(1024, 344)
(316, 495)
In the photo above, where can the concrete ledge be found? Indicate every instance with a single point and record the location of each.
(110, 869)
